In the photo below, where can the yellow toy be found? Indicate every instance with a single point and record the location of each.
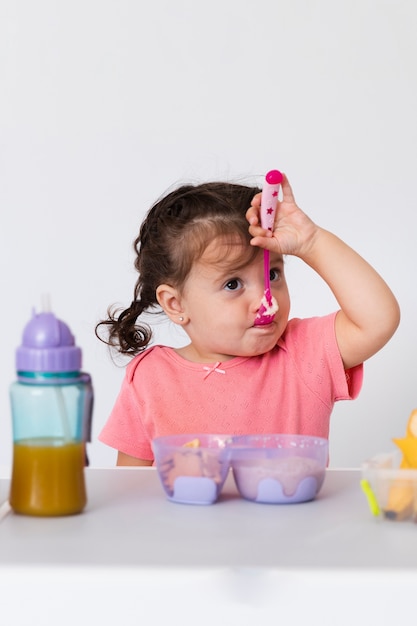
(408, 445)
(401, 495)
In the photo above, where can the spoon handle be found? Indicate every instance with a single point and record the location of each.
(269, 199)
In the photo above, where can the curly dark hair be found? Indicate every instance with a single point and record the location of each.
(173, 235)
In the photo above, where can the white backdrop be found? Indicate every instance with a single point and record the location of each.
(104, 104)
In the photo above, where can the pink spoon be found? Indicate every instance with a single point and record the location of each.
(270, 190)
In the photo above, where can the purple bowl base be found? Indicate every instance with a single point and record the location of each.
(271, 491)
(194, 490)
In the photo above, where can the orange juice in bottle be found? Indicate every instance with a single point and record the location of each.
(48, 477)
(51, 404)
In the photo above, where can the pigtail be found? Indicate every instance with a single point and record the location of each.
(124, 333)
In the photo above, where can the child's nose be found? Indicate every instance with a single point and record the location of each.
(257, 296)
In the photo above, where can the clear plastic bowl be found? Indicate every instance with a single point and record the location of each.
(279, 469)
(192, 467)
(390, 489)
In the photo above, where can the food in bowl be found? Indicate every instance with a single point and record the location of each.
(192, 467)
(279, 469)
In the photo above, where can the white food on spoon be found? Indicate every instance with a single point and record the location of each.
(269, 308)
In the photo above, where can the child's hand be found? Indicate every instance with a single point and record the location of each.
(293, 232)
(369, 312)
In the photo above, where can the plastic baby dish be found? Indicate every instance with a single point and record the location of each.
(279, 469)
(390, 489)
(192, 468)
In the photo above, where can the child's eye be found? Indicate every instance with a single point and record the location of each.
(274, 274)
(233, 284)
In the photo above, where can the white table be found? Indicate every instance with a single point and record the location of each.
(134, 556)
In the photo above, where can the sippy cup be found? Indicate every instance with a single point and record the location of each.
(51, 404)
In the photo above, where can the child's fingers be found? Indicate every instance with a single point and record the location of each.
(253, 217)
(257, 231)
(256, 200)
(252, 214)
(287, 192)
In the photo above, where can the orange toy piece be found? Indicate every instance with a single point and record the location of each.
(408, 445)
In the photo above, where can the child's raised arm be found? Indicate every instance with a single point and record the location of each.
(369, 313)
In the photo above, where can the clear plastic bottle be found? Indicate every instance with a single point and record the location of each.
(51, 402)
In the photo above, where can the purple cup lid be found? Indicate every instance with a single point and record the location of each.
(47, 346)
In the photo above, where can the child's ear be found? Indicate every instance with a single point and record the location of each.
(170, 301)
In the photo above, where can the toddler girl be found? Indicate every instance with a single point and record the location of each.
(200, 262)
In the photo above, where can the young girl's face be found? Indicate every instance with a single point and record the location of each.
(221, 298)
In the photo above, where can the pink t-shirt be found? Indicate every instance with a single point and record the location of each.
(291, 389)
